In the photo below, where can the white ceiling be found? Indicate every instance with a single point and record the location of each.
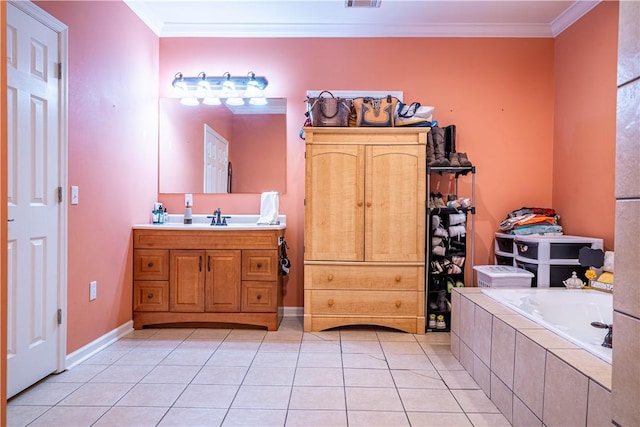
(330, 18)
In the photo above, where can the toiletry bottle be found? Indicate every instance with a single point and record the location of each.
(187, 215)
(165, 216)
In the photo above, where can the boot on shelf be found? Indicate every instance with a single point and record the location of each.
(439, 158)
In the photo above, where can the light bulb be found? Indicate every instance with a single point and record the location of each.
(211, 101)
(235, 101)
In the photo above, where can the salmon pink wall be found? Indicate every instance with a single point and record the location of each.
(113, 154)
(499, 93)
(585, 74)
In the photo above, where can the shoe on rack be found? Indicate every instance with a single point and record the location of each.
(437, 267)
(436, 241)
(440, 232)
(439, 202)
(439, 250)
(459, 284)
(458, 260)
(464, 202)
(440, 323)
(464, 160)
(454, 161)
(450, 284)
(457, 218)
(435, 221)
(453, 269)
(432, 321)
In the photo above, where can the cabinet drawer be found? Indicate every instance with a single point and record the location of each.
(363, 277)
(150, 295)
(259, 265)
(260, 297)
(365, 303)
(150, 264)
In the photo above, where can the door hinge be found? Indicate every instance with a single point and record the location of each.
(59, 70)
(59, 316)
(59, 194)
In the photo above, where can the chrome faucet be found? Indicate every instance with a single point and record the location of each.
(217, 218)
(608, 339)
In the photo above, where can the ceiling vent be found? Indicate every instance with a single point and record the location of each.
(362, 3)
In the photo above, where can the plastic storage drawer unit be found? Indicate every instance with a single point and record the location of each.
(504, 242)
(502, 276)
(548, 248)
(551, 274)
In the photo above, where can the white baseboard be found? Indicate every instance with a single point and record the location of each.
(293, 311)
(98, 344)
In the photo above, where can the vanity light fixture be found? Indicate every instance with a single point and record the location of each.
(210, 90)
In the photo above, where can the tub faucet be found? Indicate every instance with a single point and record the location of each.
(608, 339)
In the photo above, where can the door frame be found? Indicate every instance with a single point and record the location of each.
(63, 127)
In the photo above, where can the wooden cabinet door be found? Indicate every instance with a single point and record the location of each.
(334, 203)
(223, 284)
(186, 283)
(395, 202)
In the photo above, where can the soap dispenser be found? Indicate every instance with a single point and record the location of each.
(188, 219)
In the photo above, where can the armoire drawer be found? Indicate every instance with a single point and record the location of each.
(259, 297)
(259, 265)
(151, 295)
(364, 277)
(365, 303)
(150, 264)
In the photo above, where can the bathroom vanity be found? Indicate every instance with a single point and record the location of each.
(198, 273)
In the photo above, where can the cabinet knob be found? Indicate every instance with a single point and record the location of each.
(398, 278)
(258, 297)
(149, 296)
(359, 203)
(150, 265)
(368, 204)
(259, 265)
(398, 303)
(330, 302)
(330, 277)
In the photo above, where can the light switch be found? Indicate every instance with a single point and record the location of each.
(74, 194)
(188, 199)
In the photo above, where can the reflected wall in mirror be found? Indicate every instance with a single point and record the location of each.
(256, 138)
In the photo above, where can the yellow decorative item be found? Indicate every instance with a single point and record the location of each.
(606, 277)
(590, 274)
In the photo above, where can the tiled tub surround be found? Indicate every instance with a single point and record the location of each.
(531, 374)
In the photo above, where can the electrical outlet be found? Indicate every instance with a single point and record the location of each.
(188, 199)
(93, 290)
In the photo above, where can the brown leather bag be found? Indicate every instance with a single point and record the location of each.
(329, 111)
(372, 112)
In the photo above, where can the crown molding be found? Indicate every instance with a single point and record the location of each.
(353, 30)
(576, 11)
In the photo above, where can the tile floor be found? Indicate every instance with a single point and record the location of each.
(352, 376)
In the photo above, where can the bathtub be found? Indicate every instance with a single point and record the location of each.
(568, 313)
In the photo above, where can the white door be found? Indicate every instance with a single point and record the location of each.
(34, 214)
(216, 161)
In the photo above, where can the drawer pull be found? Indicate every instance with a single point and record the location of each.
(398, 303)
(149, 296)
(330, 277)
(330, 302)
(398, 278)
(150, 265)
(258, 297)
(368, 204)
(359, 203)
(259, 265)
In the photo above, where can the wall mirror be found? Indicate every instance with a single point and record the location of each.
(256, 143)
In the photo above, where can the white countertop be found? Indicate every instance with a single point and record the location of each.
(202, 222)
